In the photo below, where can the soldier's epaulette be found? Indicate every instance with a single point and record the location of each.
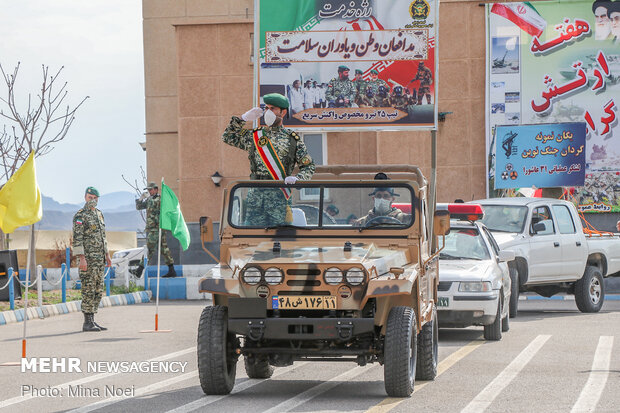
(295, 135)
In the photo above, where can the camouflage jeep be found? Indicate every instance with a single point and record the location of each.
(295, 283)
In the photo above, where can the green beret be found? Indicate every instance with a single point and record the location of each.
(92, 190)
(358, 71)
(374, 72)
(342, 68)
(276, 99)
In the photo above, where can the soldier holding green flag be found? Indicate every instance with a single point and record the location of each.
(151, 202)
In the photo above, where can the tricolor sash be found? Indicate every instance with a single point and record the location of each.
(270, 159)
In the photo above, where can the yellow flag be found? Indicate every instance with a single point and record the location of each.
(20, 198)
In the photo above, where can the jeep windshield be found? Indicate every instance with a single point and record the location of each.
(320, 205)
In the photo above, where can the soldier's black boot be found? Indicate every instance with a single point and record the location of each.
(89, 324)
(171, 272)
(96, 324)
(138, 271)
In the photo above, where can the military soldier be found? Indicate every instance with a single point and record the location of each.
(91, 248)
(360, 87)
(151, 201)
(383, 198)
(398, 99)
(368, 100)
(341, 88)
(382, 100)
(374, 83)
(425, 76)
(268, 206)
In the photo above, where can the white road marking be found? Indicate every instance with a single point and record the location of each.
(391, 402)
(312, 392)
(197, 404)
(490, 392)
(139, 392)
(591, 392)
(89, 379)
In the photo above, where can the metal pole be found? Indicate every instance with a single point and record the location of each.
(63, 268)
(11, 289)
(68, 261)
(433, 186)
(146, 275)
(30, 247)
(39, 286)
(158, 271)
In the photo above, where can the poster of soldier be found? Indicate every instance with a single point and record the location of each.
(558, 65)
(347, 65)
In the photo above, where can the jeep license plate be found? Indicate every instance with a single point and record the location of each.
(443, 301)
(303, 302)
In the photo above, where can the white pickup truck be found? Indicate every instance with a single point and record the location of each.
(552, 252)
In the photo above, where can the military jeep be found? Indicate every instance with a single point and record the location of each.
(295, 283)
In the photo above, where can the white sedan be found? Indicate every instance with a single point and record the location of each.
(474, 280)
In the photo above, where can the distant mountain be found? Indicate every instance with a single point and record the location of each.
(118, 208)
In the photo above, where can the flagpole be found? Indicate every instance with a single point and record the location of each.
(158, 271)
(27, 282)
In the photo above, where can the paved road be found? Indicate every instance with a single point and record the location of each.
(553, 359)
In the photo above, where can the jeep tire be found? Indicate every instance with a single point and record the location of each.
(257, 368)
(590, 291)
(400, 352)
(217, 360)
(428, 347)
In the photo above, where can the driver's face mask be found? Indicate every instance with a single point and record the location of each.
(382, 206)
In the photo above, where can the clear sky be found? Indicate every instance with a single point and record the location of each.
(99, 43)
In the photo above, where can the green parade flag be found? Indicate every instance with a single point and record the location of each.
(171, 217)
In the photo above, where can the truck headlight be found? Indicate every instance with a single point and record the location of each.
(333, 276)
(355, 276)
(273, 276)
(474, 286)
(252, 275)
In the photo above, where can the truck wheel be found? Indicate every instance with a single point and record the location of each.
(494, 331)
(428, 347)
(217, 360)
(400, 352)
(257, 368)
(589, 291)
(513, 305)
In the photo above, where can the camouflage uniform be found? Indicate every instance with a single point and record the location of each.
(337, 88)
(374, 85)
(267, 206)
(381, 102)
(360, 87)
(425, 76)
(399, 101)
(394, 213)
(151, 204)
(89, 240)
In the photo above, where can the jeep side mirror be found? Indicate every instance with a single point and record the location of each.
(206, 229)
(441, 222)
(505, 255)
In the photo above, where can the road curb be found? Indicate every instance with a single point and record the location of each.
(611, 297)
(16, 316)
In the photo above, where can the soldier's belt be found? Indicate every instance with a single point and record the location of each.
(261, 177)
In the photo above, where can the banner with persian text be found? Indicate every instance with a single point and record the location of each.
(350, 65)
(556, 62)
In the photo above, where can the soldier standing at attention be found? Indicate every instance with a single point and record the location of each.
(151, 202)
(268, 206)
(91, 248)
(341, 88)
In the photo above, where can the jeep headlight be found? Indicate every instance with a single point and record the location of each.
(273, 276)
(355, 276)
(474, 286)
(252, 275)
(333, 276)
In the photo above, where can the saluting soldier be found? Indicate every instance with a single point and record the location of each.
(151, 201)
(374, 83)
(341, 88)
(269, 206)
(91, 248)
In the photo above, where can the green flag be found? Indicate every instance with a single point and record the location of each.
(171, 217)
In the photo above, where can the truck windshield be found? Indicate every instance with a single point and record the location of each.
(362, 206)
(504, 218)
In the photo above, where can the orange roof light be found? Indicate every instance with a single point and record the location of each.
(469, 212)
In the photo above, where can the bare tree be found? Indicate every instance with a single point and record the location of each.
(43, 121)
(137, 188)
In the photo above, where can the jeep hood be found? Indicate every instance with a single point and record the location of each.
(291, 253)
